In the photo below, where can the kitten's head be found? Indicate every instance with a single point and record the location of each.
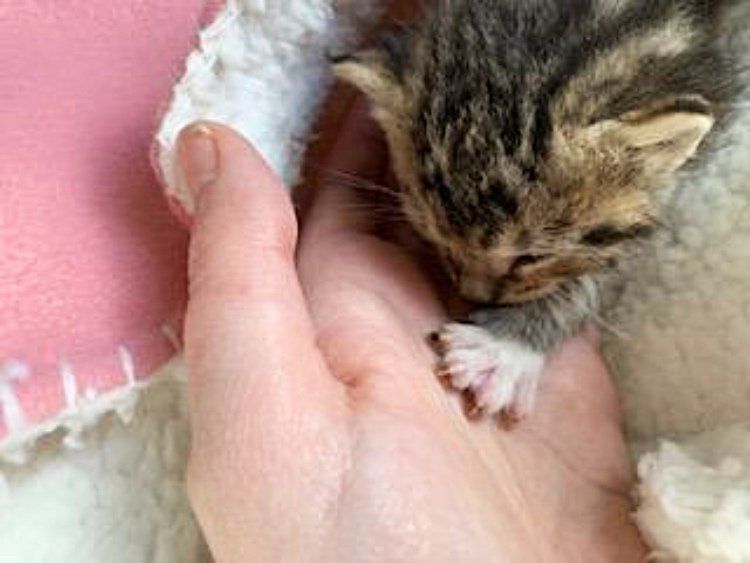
(525, 173)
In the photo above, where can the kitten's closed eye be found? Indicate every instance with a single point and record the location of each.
(527, 260)
(609, 235)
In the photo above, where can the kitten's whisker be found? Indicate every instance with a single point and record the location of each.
(389, 221)
(372, 205)
(369, 189)
(364, 185)
(348, 179)
(372, 210)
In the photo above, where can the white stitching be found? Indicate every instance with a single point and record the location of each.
(12, 370)
(69, 384)
(127, 364)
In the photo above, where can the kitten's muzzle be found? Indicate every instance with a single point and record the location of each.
(479, 290)
(502, 291)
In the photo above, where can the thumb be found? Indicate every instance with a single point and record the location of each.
(254, 369)
(246, 308)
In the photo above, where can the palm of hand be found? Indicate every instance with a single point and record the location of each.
(350, 449)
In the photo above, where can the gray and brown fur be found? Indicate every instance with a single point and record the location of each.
(536, 140)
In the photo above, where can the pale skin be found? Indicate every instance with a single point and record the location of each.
(320, 432)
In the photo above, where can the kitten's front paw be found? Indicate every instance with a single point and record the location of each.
(501, 375)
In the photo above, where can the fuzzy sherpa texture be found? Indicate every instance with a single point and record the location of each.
(682, 327)
(118, 499)
(680, 354)
(261, 68)
(695, 499)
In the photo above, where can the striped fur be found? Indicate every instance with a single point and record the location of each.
(536, 140)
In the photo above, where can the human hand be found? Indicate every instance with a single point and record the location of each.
(319, 430)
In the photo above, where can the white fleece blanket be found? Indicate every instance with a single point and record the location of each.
(680, 351)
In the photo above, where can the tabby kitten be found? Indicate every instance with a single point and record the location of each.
(536, 142)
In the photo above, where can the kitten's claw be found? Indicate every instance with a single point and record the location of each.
(443, 372)
(501, 375)
(438, 340)
(509, 418)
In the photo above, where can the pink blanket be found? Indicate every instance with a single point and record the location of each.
(92, 265)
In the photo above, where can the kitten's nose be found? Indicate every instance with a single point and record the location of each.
(477, 289)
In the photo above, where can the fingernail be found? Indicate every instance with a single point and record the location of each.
(199, 157)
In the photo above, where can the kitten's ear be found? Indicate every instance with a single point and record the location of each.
(378, 71)
(666, 140)
(368, 71)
